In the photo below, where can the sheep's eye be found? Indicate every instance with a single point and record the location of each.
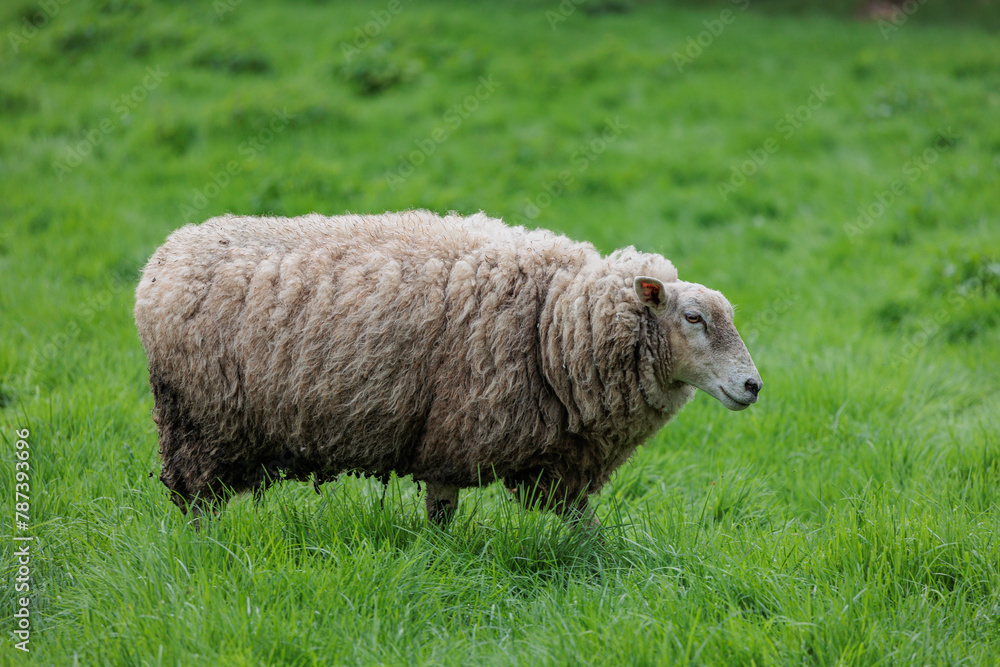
(693, 318)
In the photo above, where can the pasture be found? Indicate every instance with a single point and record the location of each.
(838, 179)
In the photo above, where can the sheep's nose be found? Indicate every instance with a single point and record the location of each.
(753, 387)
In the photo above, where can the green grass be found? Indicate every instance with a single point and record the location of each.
(851, 517)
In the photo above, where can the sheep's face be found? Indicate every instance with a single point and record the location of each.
(706, 350)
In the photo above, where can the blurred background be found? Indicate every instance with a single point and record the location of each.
(833, 168)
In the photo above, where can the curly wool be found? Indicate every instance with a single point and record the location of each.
(457, 350)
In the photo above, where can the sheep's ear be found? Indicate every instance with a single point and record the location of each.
(651, 293)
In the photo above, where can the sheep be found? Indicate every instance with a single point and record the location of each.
(456, 350)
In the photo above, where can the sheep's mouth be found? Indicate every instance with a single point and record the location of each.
(736, 404)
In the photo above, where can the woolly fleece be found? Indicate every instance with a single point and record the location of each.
(457, 350)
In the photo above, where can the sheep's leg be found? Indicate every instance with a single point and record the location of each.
(572, 506)
(200, 508)
(579, 514)
(442, 501)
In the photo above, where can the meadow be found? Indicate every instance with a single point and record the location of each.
(837, 179)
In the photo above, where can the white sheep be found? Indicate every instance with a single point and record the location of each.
(457, 350)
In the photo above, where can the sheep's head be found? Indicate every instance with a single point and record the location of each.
(706, 350)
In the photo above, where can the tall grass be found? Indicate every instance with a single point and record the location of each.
(851, 517)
